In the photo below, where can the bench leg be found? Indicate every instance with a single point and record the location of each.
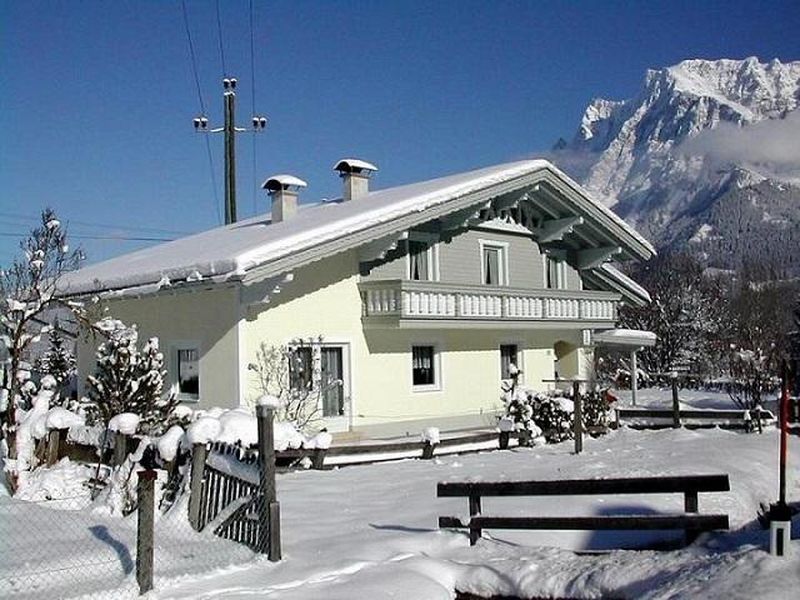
(690, 505)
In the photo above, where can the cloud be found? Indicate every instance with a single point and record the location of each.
(772, 145)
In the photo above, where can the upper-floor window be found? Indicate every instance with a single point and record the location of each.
(494, 263)
(555, 273)
(419, 263)
(422, 258)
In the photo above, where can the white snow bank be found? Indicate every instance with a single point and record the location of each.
(239, 426)
(168, 443)
(61, 418)
(321, 441)
(63, 481)
(431, 435)
(182, 412)
(204, 430)
(125, 423)
(269, 401)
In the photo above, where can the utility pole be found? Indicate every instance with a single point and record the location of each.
(230, 130)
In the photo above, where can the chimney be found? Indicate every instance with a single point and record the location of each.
(283, 190)
(355, 175)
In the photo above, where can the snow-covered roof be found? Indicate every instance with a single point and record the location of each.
(256, 247)
(608, 275)
(626, 337)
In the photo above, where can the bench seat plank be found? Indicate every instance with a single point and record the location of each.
(577, 487)
(602, 522)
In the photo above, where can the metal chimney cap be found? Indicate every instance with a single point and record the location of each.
(354, 165)
(283, 182)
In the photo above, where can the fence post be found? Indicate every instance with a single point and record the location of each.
(504, 437)
(318, 458)
(53, 439)
(269, 510)
(577, 416)
(144, 530)
(676, 407)
(196, 485)
(120, 448)
(427, 450)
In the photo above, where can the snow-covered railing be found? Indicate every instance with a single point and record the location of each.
(397, 299)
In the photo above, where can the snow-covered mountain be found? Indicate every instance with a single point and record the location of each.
(706, 154)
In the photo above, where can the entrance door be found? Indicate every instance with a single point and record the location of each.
(332, 380)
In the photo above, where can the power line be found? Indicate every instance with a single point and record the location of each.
(78, 223)
(119, 238)
(202, 109)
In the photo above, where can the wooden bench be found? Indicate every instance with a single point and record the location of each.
(731, 419)
(688, 485)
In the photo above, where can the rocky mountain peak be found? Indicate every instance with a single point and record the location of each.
(693, 132)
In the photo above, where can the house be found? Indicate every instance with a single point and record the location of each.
(423, 294)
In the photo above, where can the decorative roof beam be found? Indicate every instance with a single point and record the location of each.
(377, 250)
(554, 230)
(594, 257)
(461, 219)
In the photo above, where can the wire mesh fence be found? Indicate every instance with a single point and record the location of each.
(69, 546)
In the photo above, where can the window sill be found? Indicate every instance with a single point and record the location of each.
(423, 389)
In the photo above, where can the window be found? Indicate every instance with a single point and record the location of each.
(423, 257)
(301, 368)
(423, 367)
(188, 373)
(494, 263)
(555, 273)
(419, 261)
(508, 357)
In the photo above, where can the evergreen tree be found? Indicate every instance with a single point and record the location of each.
(59, 362)
(129, 380)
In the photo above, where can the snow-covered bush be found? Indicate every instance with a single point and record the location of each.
(28, 289)
(129, 380)
(751, 379)
(595, 409)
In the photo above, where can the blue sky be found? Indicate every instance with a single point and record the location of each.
(98, 97)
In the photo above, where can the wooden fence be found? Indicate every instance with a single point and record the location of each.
(229, 501)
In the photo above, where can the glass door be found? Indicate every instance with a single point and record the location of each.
(332, 381)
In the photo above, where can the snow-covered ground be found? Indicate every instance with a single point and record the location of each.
(370, 531)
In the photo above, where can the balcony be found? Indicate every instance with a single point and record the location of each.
(408, 304)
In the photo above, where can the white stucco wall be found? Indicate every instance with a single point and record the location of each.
(323, 300)
(206, 318)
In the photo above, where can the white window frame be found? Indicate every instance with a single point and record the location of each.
(433, 253)
(436, 386)
(347, 386)
(174, 375)
(505, 279)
